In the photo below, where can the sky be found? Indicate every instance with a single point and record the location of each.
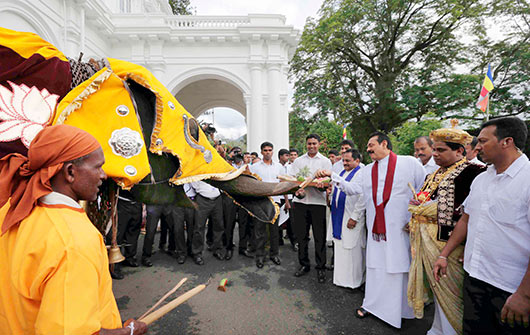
(229, 123)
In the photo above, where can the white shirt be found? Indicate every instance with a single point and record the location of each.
(431, 166)
(338, 167)
(498, 231)
(268, 173)
(392, 255)
(205, 190)
(477, 161)
(190, 191)
(287, 171)
(56, 198)
(318, 162)
(354, 207)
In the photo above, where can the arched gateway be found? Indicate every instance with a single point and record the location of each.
(240, 62)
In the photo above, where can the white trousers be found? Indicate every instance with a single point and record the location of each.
(349, 265)
(386, 296)
(440, 324)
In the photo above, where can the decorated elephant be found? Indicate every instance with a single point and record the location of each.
(152, 145)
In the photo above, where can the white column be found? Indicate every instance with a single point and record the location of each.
(255, 124)
(275, 123)
(82, 28)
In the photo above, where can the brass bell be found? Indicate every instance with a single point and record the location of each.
(115, 255)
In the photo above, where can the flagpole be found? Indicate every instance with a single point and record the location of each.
(488, 110)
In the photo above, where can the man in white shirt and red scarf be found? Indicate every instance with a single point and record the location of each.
(496, 229)
(384, 184)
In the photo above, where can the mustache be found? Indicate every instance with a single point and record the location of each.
(370, 151)
(422, 155)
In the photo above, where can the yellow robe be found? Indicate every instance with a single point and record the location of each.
(54, 276)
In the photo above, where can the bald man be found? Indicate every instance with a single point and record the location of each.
(54, 269)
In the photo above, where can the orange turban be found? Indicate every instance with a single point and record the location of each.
(26, 179)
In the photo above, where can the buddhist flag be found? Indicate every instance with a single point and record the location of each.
(487, 86)
(344, 132)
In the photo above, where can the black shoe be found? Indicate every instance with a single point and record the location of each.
(116, 274)
(259, 262)
(198, 260)
(162, 247)
(246, 253)
(219, 255)
(133, 263)
(229, 254)
(181, 259)
(276, 260)
(329, 267)
(147, 262)
(209, 247)
(302, 271)
(321, 275)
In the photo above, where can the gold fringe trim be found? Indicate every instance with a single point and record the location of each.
(78, 101)
(159, 109)
(276, 209)
(199, 177)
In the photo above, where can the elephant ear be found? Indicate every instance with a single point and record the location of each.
(176, 131)
(104, 97)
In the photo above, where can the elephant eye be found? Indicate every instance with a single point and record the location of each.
(194, 129)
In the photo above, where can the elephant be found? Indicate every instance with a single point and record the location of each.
(152, 145)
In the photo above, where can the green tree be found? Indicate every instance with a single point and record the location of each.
(403, 136)
(375, 64)
(181, 7)
(301, 124)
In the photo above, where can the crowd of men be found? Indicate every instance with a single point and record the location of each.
(441, 227)
(386, 240)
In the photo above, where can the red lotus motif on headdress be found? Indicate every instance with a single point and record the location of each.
(24, 112)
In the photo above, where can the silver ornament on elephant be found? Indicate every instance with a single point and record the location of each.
(126, 142)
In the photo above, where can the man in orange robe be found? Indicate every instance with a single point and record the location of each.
(54, 269)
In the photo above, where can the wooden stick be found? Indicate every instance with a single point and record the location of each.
(150, 318)
(413, 191)
(170, 292)
(308, 181)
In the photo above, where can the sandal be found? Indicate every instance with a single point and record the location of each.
(361, 313)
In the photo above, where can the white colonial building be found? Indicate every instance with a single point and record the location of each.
(240, 62)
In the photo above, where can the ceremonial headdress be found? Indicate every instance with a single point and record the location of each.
(26, 179)
(451, 135)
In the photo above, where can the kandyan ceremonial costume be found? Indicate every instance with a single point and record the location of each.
(387, 247)
(431, 225)
(349, 244)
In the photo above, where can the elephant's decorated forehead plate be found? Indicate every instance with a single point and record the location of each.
(126, 142)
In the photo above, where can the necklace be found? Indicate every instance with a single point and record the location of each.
(436, 178)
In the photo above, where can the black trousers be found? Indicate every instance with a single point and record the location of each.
(166, 233)
(183, 217)
(129, 224)
(246, 230)
(482, 309)
(213, 211)
(289, 223)
(306, 217)
(229, 215)
(154, 213)
(260, 237)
